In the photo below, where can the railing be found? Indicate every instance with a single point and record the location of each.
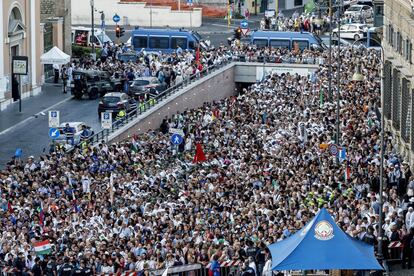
(103, 135)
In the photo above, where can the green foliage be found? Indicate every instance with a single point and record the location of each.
(81, 51)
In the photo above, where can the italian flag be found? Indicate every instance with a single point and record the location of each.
(43, 247)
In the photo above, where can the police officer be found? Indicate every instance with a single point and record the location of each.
(86, 269)
(50, 269)
(66, 268)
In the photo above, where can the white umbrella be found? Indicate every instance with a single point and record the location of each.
(55, 56)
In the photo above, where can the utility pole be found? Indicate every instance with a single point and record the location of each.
(338, 76)
(330, 52)
(228, 14)
(92, 2)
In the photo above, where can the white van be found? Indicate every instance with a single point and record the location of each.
(82, 36)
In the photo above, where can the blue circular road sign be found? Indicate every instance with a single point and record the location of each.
(176, 139)
(116, 18)
(54, 133)
(244, 24)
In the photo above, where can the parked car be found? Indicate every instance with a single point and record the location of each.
(93, 83)
(352, 31)
(78, 130)
(359, 11)
(144, 85)
(115, 102)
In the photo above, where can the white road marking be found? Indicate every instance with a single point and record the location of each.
(31, 117)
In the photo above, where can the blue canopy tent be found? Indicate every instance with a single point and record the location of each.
(322, 245)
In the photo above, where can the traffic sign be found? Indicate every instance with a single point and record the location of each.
(116, 18)
(333, 149)
(176, 139)
(54, 133)
(54, 118)
(245, 31)
(176, 131)
(106, 120)
(244, 24)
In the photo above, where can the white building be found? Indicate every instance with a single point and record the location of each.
(21, 35)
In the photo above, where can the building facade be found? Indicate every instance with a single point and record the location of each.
(398, 73)
(55, 15)
(22, 35)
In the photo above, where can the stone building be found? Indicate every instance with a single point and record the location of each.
(398, 72)
(56, 17)
(21, 34)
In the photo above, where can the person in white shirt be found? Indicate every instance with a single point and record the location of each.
(409, 218)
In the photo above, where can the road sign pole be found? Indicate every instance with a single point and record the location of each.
(228, 14)
(20, 96)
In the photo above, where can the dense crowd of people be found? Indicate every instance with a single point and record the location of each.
(142, 204)
(314, 22)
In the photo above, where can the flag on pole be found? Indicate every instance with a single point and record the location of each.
(134, 144)
(347, 172)
(41, 214)
(199, 155)
(342, 154)
(198, 56)
(43, 247)
(9, 207)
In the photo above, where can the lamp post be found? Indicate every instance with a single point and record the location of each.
(382, 142)
(338, 76)
(92, 2)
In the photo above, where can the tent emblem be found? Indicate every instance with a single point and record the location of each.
(323, 231)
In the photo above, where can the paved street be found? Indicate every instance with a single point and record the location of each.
(29, 130)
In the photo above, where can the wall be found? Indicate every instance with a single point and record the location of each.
(138, 14)
(399, 14)
(218, 85)
(29, 42)
(61, 9)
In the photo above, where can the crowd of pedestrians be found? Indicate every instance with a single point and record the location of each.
(142, 204)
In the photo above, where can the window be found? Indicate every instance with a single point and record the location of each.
(409, 52)
(159, 42)
(279, 43)
(191, 45)
(140, 42)
(178, 41)
(379, 10)
(399, 42)
(297, 2)
(301, 44)
(260, 42)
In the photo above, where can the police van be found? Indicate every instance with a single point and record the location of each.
(166, 40)
(288, 40)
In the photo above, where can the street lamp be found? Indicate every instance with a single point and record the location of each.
(382, 151)
(92, 2)
(357, 76)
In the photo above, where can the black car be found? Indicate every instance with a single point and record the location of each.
(146, 85)
(115, 102)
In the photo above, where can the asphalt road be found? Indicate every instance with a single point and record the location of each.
(32, 135)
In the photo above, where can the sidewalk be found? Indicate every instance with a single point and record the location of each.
(50, 96)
